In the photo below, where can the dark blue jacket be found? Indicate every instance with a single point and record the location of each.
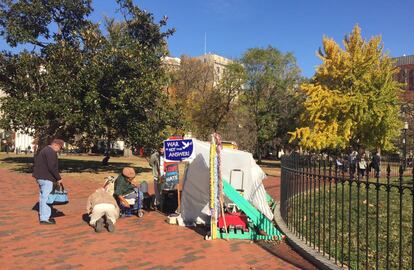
(46, 165)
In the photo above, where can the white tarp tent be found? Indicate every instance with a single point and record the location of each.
(196, 184)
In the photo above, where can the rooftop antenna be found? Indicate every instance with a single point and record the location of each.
(205, 43)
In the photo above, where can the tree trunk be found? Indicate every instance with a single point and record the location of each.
(43, 140)
(108, 147)
(379, 150)
(127, 151)
(259, 153)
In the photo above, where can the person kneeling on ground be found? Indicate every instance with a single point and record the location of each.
(101, 203)
(125, 192)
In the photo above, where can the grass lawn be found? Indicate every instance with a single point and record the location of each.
(271, 167)
(82, 166)
(343, 204)
(90, 166)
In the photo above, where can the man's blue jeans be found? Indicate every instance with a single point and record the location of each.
(46, 188)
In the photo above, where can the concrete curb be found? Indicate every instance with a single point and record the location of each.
(303, 249)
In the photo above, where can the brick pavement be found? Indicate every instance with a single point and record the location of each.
(147, 243)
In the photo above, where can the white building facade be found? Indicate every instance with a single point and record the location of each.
(23, 142)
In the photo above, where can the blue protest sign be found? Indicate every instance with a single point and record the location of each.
(178, 150)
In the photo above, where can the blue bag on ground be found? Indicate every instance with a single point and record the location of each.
(58, 196)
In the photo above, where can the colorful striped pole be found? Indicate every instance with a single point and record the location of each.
(213, 212)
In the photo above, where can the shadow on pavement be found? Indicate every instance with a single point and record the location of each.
(86, 218)
(201, 230)
(283, 252)
(269, 164)
(55, 212)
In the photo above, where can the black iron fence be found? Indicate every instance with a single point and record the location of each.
(360, 219)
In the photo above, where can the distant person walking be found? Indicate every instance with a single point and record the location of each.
(376, 163)
(362, 165)
(105, 160)
(352, 161)
(280, 153)
(46, 172)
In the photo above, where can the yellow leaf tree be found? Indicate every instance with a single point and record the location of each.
(353, 98)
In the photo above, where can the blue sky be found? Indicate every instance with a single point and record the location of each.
(297, 26)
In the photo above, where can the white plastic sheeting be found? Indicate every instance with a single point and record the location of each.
(196, 185)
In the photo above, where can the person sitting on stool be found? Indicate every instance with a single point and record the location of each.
(124, 189)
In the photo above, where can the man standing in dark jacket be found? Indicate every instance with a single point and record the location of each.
(376, 163)
(46, 172)
(156, 162)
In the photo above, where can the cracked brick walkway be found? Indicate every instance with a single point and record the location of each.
(146, 243)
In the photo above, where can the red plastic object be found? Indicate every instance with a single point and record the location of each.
(238, 220)
(176, 137)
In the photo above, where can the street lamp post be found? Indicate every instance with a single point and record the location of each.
(405, 143)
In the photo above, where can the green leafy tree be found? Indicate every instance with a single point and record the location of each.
(23, 22)
(40, 84)
(128, 95)
(270, 92)
(352, 100)
(78, 81)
